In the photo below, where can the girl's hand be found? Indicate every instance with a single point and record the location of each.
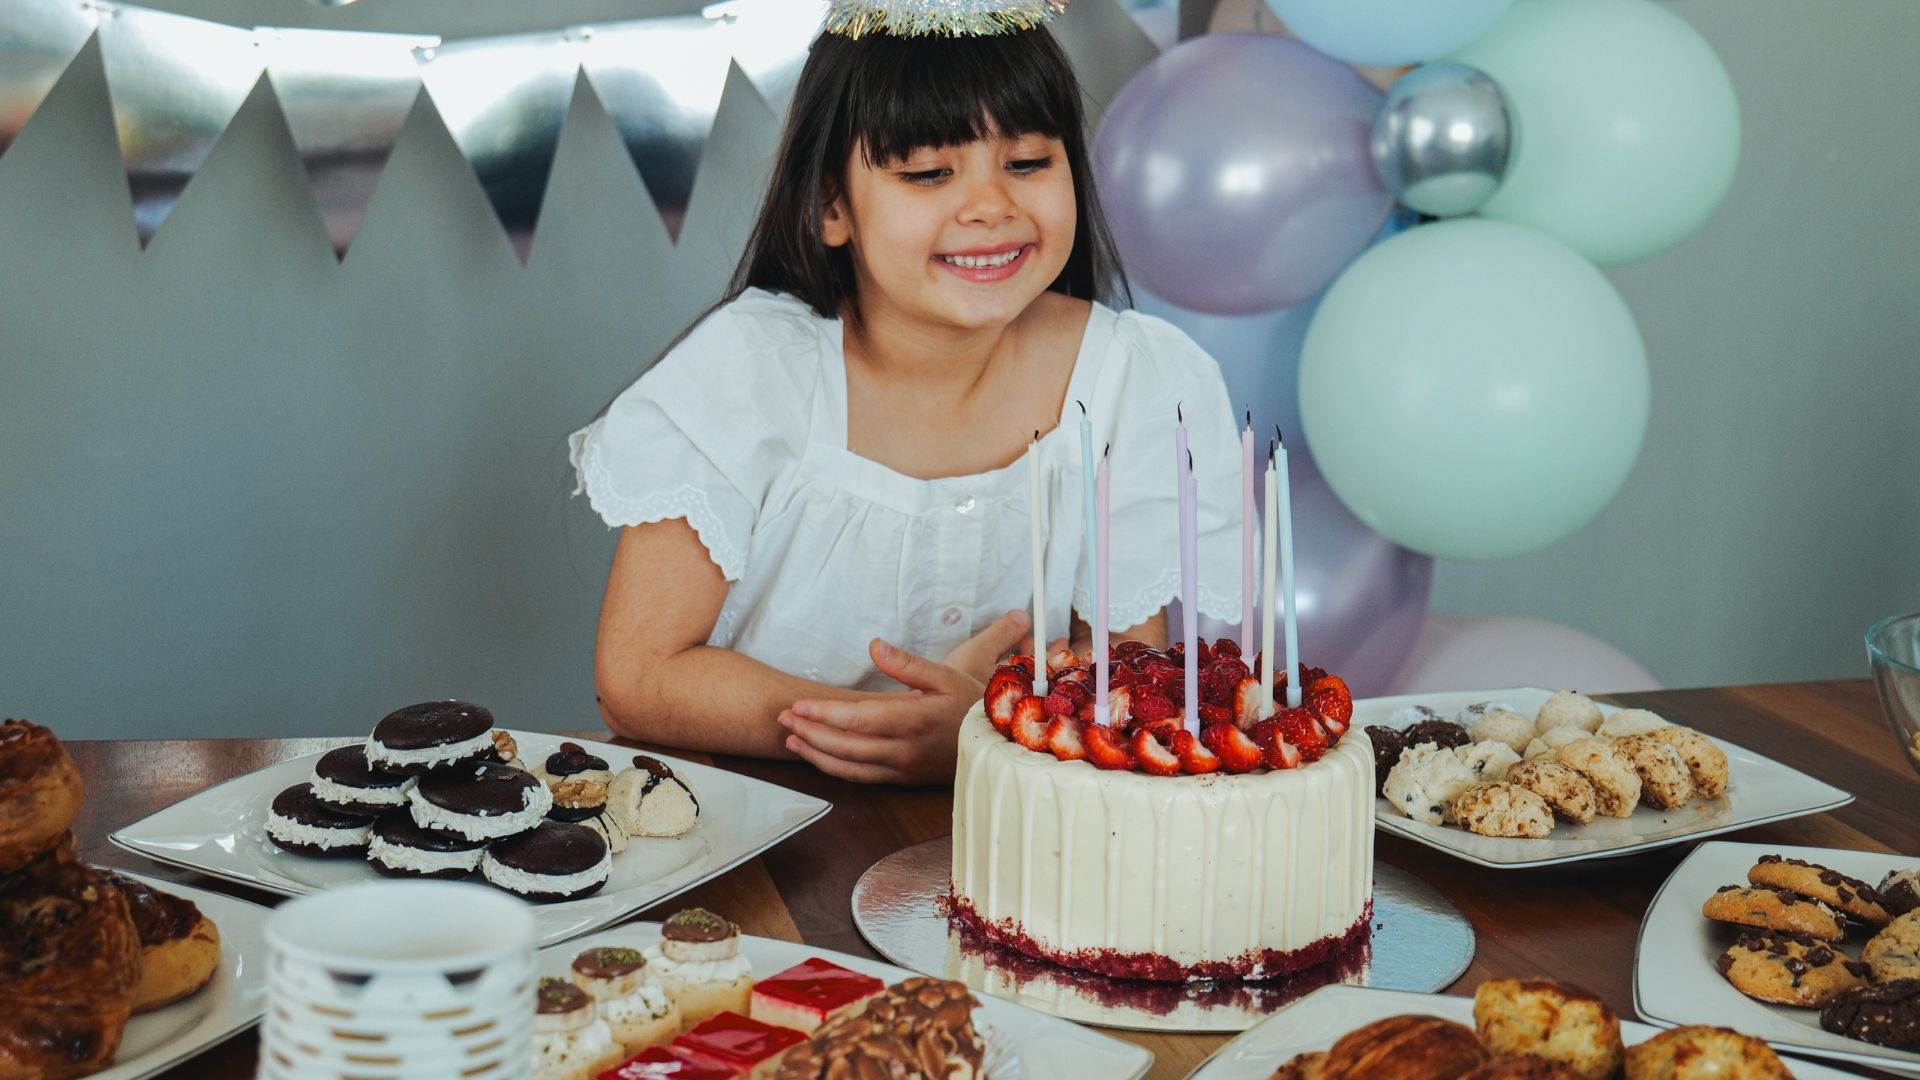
(907, 737)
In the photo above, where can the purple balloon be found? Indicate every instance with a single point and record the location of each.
(1362, 597)
(1236, 173)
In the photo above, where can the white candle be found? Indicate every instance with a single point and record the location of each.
(1247, 579)
(1286, 574)
(1101, 668)
(1189, 573)
(1039, 568)
(1270, 573)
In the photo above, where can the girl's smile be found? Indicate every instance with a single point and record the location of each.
(986, 264)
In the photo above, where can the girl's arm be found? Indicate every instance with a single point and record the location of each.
(656, 678)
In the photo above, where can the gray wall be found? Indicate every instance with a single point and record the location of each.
(245, 490)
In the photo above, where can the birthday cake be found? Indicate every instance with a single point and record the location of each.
(1138, 849)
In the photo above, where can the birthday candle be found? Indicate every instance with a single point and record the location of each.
(1189, 574)
(1101, 673)
(1087, 469)
(1246, 540)
(1271, 567)
(1286, 573)
(1039, 568)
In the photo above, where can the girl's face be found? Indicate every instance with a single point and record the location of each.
(964, 236)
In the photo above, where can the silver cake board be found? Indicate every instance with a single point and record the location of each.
(1420, 942)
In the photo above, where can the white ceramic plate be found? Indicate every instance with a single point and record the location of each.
(231, 1002)
(1021, 1044)
(221, 831)
(1675, 982)
(1317, 1020)
(1759, 790)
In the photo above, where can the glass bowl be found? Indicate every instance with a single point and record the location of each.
(1893, 651)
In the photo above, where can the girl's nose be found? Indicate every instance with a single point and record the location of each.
(988, 202)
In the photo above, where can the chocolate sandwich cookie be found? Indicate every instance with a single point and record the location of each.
(1886, 1014)
(483, 801)
(556, 861)
(431, 735)
(399, 847)
(298, 821)
(343, 777)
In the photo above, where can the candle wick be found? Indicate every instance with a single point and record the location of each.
(1108, 452)
(1271, 446)
(1189, 461)
(1249, 419)
(1278, 440)
(1177, 414)
(1083, 406)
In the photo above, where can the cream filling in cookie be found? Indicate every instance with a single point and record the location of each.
(378, 755)
(293, 832)
(698, 971)
(420, 860)
(483, 826)
(563, 1052)
(327, 791)
(648, 1001)
(521, 881)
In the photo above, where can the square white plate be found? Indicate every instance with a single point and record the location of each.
(221, 831)
(231, 1002)
(1675, 982)
(1316, 1021)
(1759, 790)
(1021, 1044)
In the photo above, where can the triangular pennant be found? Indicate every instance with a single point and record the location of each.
(175, 83)
(770, 40)
(503, 100)
(660, 80)
(346, 96)
(38, 39)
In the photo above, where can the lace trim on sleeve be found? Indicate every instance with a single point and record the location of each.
(1126, 612)
(687, 501)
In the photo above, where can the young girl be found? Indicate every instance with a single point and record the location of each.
(822, 486)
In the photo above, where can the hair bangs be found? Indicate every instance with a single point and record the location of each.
(916, 93)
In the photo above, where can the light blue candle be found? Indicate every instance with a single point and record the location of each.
(1286, 571)
(1088, 468)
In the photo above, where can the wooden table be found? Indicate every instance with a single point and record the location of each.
(1576, 923)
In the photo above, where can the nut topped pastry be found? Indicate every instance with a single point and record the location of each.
(920, 1029)
(698, 961)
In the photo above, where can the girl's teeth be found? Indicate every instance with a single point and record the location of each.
(982, 262)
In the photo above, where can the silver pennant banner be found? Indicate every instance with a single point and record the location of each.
(503, 100)
(175, 83)
(346, 96)
(769, 39)
(38, 39)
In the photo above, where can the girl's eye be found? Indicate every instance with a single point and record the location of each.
(1025, 166)
(925, 177)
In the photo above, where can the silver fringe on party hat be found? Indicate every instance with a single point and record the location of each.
(938, 18)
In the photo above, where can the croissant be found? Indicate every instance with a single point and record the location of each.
(39, 792)
(1405, 1048)
(69, 960)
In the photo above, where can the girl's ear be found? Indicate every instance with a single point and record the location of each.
(835, 228)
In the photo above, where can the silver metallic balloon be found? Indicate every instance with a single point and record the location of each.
(1442, 139)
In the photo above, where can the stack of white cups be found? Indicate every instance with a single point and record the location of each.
(404, 979)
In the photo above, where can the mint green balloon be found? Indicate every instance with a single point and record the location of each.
(1629, 127)
(1474, 389)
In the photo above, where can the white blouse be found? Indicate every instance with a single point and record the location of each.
(741, 430)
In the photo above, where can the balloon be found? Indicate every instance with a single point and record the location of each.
(1388, 33)
(1632, 130)
(1259, 356)
(1361, 598)
(1474, 652)
(1474, 389)
(1442, 139)
(1235, 173)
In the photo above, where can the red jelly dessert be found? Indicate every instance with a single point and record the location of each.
(811, 993)
(664, 1063)
(739, 1042)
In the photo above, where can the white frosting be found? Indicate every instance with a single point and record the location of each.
(379, 754)
(673, 972)
(564, 1053)
(1195, 869)
(520, 881)
(648, 1002)
(327, 791)
(483, 826)
(293, 832)
(420, 860)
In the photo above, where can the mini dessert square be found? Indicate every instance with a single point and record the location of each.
(739, 1042)
(632, 1003)
(666, 1063)
(570, 1041)
(811, 993)
(921, 1027)
(699, 962)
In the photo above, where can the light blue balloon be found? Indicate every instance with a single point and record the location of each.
(1474, 389)
(1630, 127)
(1388, 33)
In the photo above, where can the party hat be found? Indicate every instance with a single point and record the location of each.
(939, 18)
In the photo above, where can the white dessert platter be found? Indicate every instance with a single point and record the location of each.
(221, 831)
(1021, 1044)
(231, 1002)
(1759, 790)
(1674, 978)
(1318, 1020)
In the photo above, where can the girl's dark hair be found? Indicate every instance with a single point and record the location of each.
(893, 95)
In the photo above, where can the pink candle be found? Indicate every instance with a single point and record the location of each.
(1101, 666)
(1189, 574)
(1246, 540)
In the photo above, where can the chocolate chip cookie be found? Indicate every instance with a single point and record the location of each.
(1886, 1014)
(1851, 896)
(1894, 953)
(1900, 891)
(1775, 909)
(1789, 969)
